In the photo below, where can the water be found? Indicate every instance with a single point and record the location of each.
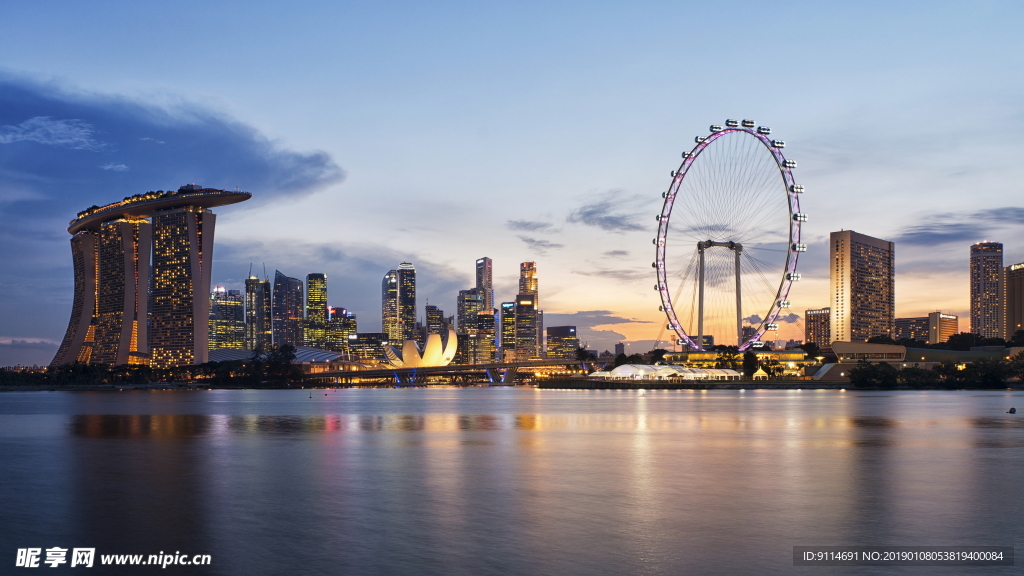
(508, 481)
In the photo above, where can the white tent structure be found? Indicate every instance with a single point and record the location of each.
(666, 372)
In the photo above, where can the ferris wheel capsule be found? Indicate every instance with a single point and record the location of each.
(789, 163)
(700, 139)
(732, 123)
(715, 128)
(796, 189)
(749, 123)
(764, 130)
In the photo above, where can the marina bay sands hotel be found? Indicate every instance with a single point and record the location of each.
(142, 279)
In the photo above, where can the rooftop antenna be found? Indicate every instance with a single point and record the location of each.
(250, 269)
(265, 277)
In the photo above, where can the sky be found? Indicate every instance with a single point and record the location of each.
(379, 132)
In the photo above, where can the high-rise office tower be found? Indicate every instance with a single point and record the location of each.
(407, 300)
(486, 333)
(507, 336)
(484, 281)
(287, 309)
(391, 324)
(259, 322)
(862, 284)
(528, 278)
(911, 329)
(119, 257)
(315, 331)
(527, 345)
(227, 318)
(935, 328)
(562, 342)
(436, 322)
(986, 290)
(1013, 299)
(368, 345)
(341, 328)
(470, 303)
(817, 326)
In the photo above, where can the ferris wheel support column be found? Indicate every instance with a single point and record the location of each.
(739, 299)
(700, 298)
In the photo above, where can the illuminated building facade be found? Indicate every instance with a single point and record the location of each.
(407, 300)
(528, 278)
(484, 280)
(818, 326)
(1013, 299)
(227, 318)
(912, 328)
(986, 290)
(507, 335)
(368, 345)
(149, 255)
(527, 345)
(485, 347)
(287, 310)
(315, 331)
(436, 321)
(563, 342)
(863, 287)
(341, 327)
(390, 322)
(258, 319)
(935, 328)
(470, 303)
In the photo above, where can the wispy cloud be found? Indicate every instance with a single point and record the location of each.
(618, 274)
(114, 167)
(74, 134)
(947, 227)
(539, 245)
(529, 226)
(616, 254)
(612, 212)
(756, 319)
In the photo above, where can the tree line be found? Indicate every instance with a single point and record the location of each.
(273, 367)
(985, 373)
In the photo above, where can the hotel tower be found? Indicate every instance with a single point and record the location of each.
(142, 279)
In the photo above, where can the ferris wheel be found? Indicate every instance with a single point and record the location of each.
(729, 238)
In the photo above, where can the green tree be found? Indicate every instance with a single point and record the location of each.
(985, 373)
(1015, 366)
(658, 355)
(883, 339)
(917, 377)
(1018, 338)
(873, 375)
(728, 359)
(962, 341)
(749, 364)
(812, 349)
(772, 368)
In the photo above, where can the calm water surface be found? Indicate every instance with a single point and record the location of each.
(508, 481)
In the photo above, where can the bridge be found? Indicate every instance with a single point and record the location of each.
(495, 373)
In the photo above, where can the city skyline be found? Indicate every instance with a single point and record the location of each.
(336, 151)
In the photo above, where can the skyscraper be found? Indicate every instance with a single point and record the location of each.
(287, 309)
(470, 303)
(258, 318)
(817, 326)
(527, 345)
(341, 328)
(484, 281)
(435, 320)
(986, 284)
(390, 322)
(935, 328)
(407, 300)
(315, 331)
(112, 248)
(507, 337)
(1013, 299)
(528, 279)
(227, 318)
(862, 284)
(485, 348)
(563, 342)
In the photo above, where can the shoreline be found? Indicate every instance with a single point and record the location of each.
(544, 385)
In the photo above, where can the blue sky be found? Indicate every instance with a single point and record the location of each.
(372, 133)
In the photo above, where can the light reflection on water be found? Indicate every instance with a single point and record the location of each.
(509, 481)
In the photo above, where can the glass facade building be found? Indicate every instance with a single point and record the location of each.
(287, 310)
(227, 318)
(507, 334)
(314, 333)
(817, 326)
(470, 303)
(562, 342)
(258, 319)
(407, 300)
(485, 280)
(341, 326)
(527, 329)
